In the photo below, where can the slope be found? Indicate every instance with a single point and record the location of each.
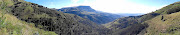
(88, 13)
(128, 23)
(10, 25)
(51, 20)
(167, 24)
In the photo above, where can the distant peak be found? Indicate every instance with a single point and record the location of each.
(81, 6)
(84, 8)
(87, 7)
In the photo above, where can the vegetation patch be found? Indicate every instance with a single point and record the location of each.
(10, 25)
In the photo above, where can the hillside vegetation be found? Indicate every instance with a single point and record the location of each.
(18, 17)
(10, 25)
(149, 24)
(87, 12)
(164, 24)
(47, 19)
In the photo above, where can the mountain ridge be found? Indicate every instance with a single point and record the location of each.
(19, 17)
(88, 13)
(52, 20)
(132, 21)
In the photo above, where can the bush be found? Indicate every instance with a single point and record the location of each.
(2, 20)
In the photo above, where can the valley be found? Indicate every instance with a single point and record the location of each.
(19, 17)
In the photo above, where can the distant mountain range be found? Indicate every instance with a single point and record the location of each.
(87, 12)
(129, 14)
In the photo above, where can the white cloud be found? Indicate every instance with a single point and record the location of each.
(118, 6)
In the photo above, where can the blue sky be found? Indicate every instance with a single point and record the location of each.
(111, 6)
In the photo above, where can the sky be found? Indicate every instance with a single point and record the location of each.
(110, 6)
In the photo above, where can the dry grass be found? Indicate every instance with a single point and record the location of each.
(160, 27)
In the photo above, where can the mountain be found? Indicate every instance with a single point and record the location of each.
(88, 13)
(19, 17)
(161, 22)
(45, 19)
(10, 25)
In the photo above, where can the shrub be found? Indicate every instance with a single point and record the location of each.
(2, 20)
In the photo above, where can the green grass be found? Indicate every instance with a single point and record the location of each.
(18, 27)
(8, 2)
(10, 25)
(172, 8)
(29, 9)
(156, 26)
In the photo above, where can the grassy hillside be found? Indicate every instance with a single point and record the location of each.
(164, 24)
(172, 8)
(47, 19)
(10, 25)
(127, 23)
(19, 17)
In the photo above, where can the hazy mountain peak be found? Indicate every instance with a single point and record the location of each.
(88, 13)
(81, 8)
(84, 7)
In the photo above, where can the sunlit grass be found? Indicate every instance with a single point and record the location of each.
(18, 27)
(13, 26)
(160, 27)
